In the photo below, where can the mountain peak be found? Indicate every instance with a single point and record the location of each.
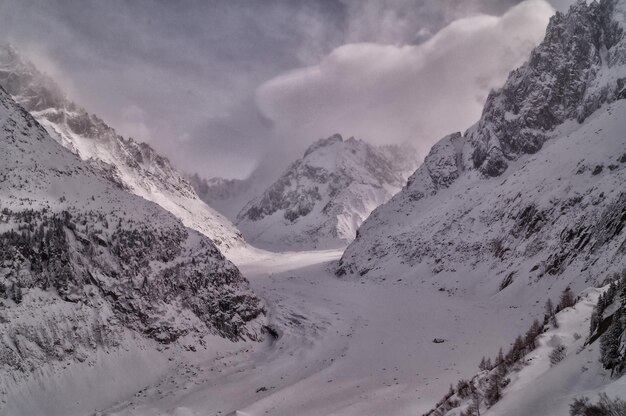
(322, 198)
(335, 138)
(568, 76)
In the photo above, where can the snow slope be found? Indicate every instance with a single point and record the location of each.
(341, 349)
(451, 258)
(90, 273)
(322, 198)
(537, 384)
(546, 200)
(133, 166)
(542, 389)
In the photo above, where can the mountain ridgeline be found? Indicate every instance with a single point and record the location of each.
(533, 189)
(84, 264)
(132, 166)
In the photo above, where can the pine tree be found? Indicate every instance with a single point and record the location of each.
(17, 293)
(500, 364)
(622, 289)
(463, 389)
(492, 393)
(450, 392)
(475, 405)
(594, 321)
(610, 356)
(550, 314)
(531, 335)
(500, 357)
(516, 352)
(567, 299)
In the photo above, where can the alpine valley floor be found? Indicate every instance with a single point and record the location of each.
(342, 347)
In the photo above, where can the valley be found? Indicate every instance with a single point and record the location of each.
(340, 350)
(480, 274)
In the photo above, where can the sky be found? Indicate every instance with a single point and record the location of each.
(224, 87)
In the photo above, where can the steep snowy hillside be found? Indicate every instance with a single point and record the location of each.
(535, 190)
(321, 200)
(133, 166)
(88, 269)
(555, 366)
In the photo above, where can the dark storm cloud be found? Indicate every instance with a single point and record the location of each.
(184, 75)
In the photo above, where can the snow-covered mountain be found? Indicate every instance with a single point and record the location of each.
(87, 268)
(534, 190)
(227, 196)
(322, 198)
(134, 166)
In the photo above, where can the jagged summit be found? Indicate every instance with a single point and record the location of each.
(322, 198)
(567, 77)
(335, 138)
(535, 188)
(134, 166)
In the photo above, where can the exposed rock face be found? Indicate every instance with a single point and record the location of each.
(535, 188)
(133, 166)
(321, 199)
(82, 262)
(565, 78)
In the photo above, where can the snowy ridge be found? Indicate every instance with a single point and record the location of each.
(133, 166)
(87, 268)
(546, 199)
(322, 198)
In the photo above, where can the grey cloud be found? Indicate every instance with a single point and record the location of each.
(410, 93)
(183, 75)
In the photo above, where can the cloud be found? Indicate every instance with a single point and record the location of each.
(134, 123)
(194, 67)
(404, 93)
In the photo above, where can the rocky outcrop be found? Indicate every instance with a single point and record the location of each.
(567, 77)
